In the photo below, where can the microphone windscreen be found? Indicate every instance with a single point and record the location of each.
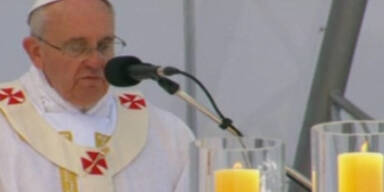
(116, 71)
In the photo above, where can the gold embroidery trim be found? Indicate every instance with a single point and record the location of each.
(101, 139)
(68, 178)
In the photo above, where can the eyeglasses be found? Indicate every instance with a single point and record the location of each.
(79, 48)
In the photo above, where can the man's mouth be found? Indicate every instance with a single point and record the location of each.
(95, 75)
(92, 77)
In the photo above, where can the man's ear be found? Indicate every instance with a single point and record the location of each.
(32, 47)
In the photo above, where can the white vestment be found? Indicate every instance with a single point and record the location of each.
(160, 165)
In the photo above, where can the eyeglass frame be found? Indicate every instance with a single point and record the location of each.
(87, 51)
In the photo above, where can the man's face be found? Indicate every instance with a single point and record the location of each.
(79, 80)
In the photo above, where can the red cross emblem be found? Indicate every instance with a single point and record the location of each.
(95, 164)
(14, 97)
(135, 102)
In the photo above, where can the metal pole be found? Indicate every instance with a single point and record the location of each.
(190, 64)
(349, 107)
(332, 71)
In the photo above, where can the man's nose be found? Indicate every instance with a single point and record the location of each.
(95, 59)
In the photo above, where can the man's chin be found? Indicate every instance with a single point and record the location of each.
(93, 83)
(90, 95)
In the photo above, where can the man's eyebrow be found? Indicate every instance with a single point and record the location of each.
(107, 38)
(75, 40)
(83, 40)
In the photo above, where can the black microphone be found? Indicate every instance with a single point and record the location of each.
(126, 71)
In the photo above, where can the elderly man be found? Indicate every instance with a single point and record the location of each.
(61, 129)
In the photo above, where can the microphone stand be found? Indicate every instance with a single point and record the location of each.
(174, 89)
(187, 98)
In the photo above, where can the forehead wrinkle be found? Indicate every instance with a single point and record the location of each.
(63, 11)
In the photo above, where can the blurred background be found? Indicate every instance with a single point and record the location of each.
(257, 57)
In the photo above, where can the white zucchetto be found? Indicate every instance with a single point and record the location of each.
(38, 4)
(41, 3)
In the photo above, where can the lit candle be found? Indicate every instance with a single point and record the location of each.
(360, 171)
(237, 180)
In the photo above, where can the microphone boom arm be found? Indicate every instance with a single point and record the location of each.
(187, 98)
(174, 89)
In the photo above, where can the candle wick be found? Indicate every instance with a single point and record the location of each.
(238, 165)
(364, 147)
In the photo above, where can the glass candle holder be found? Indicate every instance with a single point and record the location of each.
(232, 164)
(347, 156)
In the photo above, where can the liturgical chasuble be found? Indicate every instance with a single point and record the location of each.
(112, 166)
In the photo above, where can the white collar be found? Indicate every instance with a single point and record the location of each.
(46, 99)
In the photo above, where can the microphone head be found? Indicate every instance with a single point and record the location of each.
(115, 71)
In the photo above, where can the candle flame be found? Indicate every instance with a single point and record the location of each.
(238, 165)
(364, 147)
